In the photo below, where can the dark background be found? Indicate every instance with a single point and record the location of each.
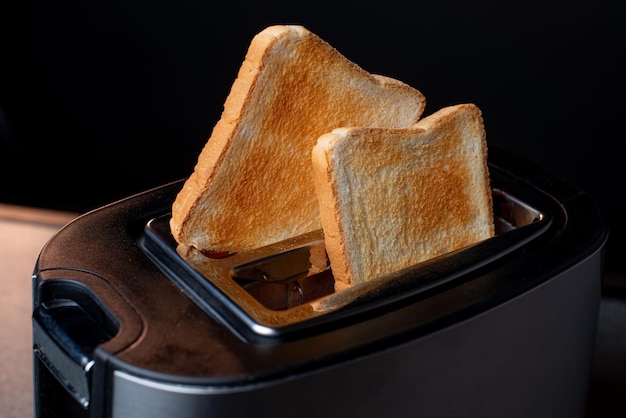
(101, 100)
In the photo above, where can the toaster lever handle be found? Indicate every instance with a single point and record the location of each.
(65, 336)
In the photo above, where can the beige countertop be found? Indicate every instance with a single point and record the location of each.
(23, 233)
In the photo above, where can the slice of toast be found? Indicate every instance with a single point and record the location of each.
(252, 184)
(391, 198)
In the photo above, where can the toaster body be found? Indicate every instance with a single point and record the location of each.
(123, 326)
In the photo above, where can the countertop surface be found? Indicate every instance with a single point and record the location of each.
(24, 231)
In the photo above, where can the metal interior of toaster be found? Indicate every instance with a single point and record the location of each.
(287, 279)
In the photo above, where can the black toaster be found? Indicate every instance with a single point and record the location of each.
(124, 326)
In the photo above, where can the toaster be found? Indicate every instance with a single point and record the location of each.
(124, 325)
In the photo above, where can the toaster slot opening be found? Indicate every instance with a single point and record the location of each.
(298, 276)
(288, 279)
(285, 288)
(511, 213)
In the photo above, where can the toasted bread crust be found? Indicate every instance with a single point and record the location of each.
(391, 198)
(252, 184)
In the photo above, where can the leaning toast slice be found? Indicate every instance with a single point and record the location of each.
(391, 198)
(252, 184)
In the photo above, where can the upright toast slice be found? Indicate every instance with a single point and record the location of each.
(252, 184)
(391, 198)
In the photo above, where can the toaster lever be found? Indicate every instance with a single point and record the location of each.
(66, 331)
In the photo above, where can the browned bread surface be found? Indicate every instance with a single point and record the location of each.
(252, 184)
(391, 198)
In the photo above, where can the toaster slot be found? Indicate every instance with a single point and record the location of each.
(288, 287)
(287, 279)
(510, 212)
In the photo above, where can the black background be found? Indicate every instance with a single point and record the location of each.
(101, 100)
